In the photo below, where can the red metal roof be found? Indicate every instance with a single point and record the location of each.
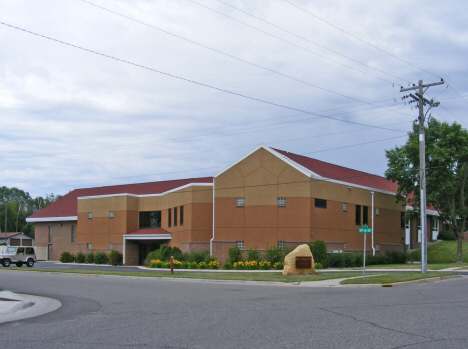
(67, 205)
(157, 231)
(342, 174)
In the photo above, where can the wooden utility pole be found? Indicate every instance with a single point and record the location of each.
(419, 98)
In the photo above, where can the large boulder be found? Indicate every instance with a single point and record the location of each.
(290, 261)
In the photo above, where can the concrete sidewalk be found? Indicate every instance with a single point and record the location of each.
(14, 306)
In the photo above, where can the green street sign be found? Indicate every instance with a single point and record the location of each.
(365, 229)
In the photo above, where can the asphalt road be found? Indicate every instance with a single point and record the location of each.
(120, 312)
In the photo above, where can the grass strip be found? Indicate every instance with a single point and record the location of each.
(269, 277)
(394, 278)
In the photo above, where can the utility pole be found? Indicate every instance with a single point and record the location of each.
(419, 98)
(6, 209)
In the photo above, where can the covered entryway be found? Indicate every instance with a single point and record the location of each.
(138, 243)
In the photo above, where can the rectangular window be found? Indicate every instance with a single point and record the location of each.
(50, 234)
(320, 203)
(365, 215)
(90, 215)
(90, 246)
(111, 214)
(281, 202)
(281, 245)
(402, 221)
(150, 219)
(110, 246)
(358, 214)
(175, 216)
(181, 215)
(73, 234)
(169, 217)
(344, 207)
(376, 211)
(240, 202)
(240, 245)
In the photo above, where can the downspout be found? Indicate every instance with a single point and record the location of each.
(373, 247)
(213, 227)
(123, 259)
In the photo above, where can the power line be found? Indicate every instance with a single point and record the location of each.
(220, 52)
(290, 43)
(199, 83)
(156, 174)
(362, 40)
(314, 43)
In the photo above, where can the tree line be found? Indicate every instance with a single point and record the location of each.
(19, 205)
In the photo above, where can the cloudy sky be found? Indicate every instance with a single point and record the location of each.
(102, 92)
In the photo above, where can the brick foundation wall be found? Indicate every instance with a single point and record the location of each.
(131, 252)
(195, 246)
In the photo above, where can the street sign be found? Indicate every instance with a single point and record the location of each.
(365, 229)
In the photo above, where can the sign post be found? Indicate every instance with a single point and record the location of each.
(365, 229)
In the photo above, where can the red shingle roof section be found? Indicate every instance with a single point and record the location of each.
(67, 205)
(157, 231)
(342, 174)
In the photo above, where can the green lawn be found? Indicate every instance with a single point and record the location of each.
(393, 278)
(436, 266)
(240, 276)
(442, 252)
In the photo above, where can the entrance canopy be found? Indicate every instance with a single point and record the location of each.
(148, 234)
(143, 236)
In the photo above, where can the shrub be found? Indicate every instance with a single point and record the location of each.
(396, 257)
(318, 266)
(80, 257)
(115, 258)
(156, 263)
(196, 256)
(446, 235)
(274, 255)
(193, 265)
(184, 265)
(253, 255)
(264, 265)
(235, 254)
(90, 257)
(100, 258)
(67, 257)
(213, 264)
(278, 265)
(227, 266)
(319, 251)
(238, 265)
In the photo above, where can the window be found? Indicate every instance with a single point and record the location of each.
(90, 246)
(111, 214)
(376, 211)
(281, 202)
(365, 214)
(50, 234)
(181, 215)
(240, 202)
(320, 203)
(358, 214)
(240, 245)
(150, 219)
(402, 221)
(175, 216)
(281, 245)
(90, 215)
(73, 234)
(344, 207)
(29, 250)
(169, 217)
(110, 246)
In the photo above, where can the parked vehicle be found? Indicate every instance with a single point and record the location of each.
(19, 256)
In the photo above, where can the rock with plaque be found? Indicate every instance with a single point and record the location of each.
(299, 262)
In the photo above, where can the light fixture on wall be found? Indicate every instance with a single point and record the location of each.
(349, 188)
